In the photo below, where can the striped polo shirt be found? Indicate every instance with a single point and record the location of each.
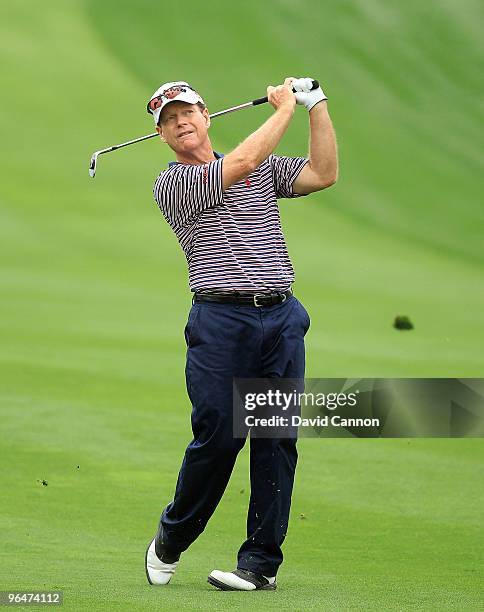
(232, 239)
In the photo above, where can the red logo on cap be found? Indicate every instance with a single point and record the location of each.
(173, 92)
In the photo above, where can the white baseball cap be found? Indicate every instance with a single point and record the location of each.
(176, 91)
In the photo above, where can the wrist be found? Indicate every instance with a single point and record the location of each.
(321, 106)
(286, 109)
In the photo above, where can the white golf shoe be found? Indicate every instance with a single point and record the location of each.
(241, 580)
(159, 571)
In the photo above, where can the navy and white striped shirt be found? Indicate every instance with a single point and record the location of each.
(232, 240)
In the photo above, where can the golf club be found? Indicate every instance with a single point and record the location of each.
(95, 155)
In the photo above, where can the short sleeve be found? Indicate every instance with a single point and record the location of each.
(184, 191)
(285, 170)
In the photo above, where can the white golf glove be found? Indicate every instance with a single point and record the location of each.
(304, 94)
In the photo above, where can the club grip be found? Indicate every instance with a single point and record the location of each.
(264, 99)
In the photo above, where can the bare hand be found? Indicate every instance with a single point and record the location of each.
(282, 95)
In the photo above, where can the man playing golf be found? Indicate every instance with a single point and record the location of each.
(244, 321)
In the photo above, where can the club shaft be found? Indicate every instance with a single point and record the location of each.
(141, 138)
(125, 144)
(231, 110)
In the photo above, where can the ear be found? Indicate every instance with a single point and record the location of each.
(206, 114)
(160, 132)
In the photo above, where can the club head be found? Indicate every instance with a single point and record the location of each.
(92, 165)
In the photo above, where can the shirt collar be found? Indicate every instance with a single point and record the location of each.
(175, 163)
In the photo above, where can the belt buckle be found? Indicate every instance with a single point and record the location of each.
(258, 295)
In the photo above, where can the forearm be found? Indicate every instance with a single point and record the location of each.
(261, 143)
(257, 147)
(323, 154)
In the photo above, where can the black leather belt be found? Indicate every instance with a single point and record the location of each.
(253, 299)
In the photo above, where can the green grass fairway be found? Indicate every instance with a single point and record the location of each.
(94, 295)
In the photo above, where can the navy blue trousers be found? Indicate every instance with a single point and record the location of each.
(225, 342)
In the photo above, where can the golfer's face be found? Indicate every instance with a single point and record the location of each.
(183, 126)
